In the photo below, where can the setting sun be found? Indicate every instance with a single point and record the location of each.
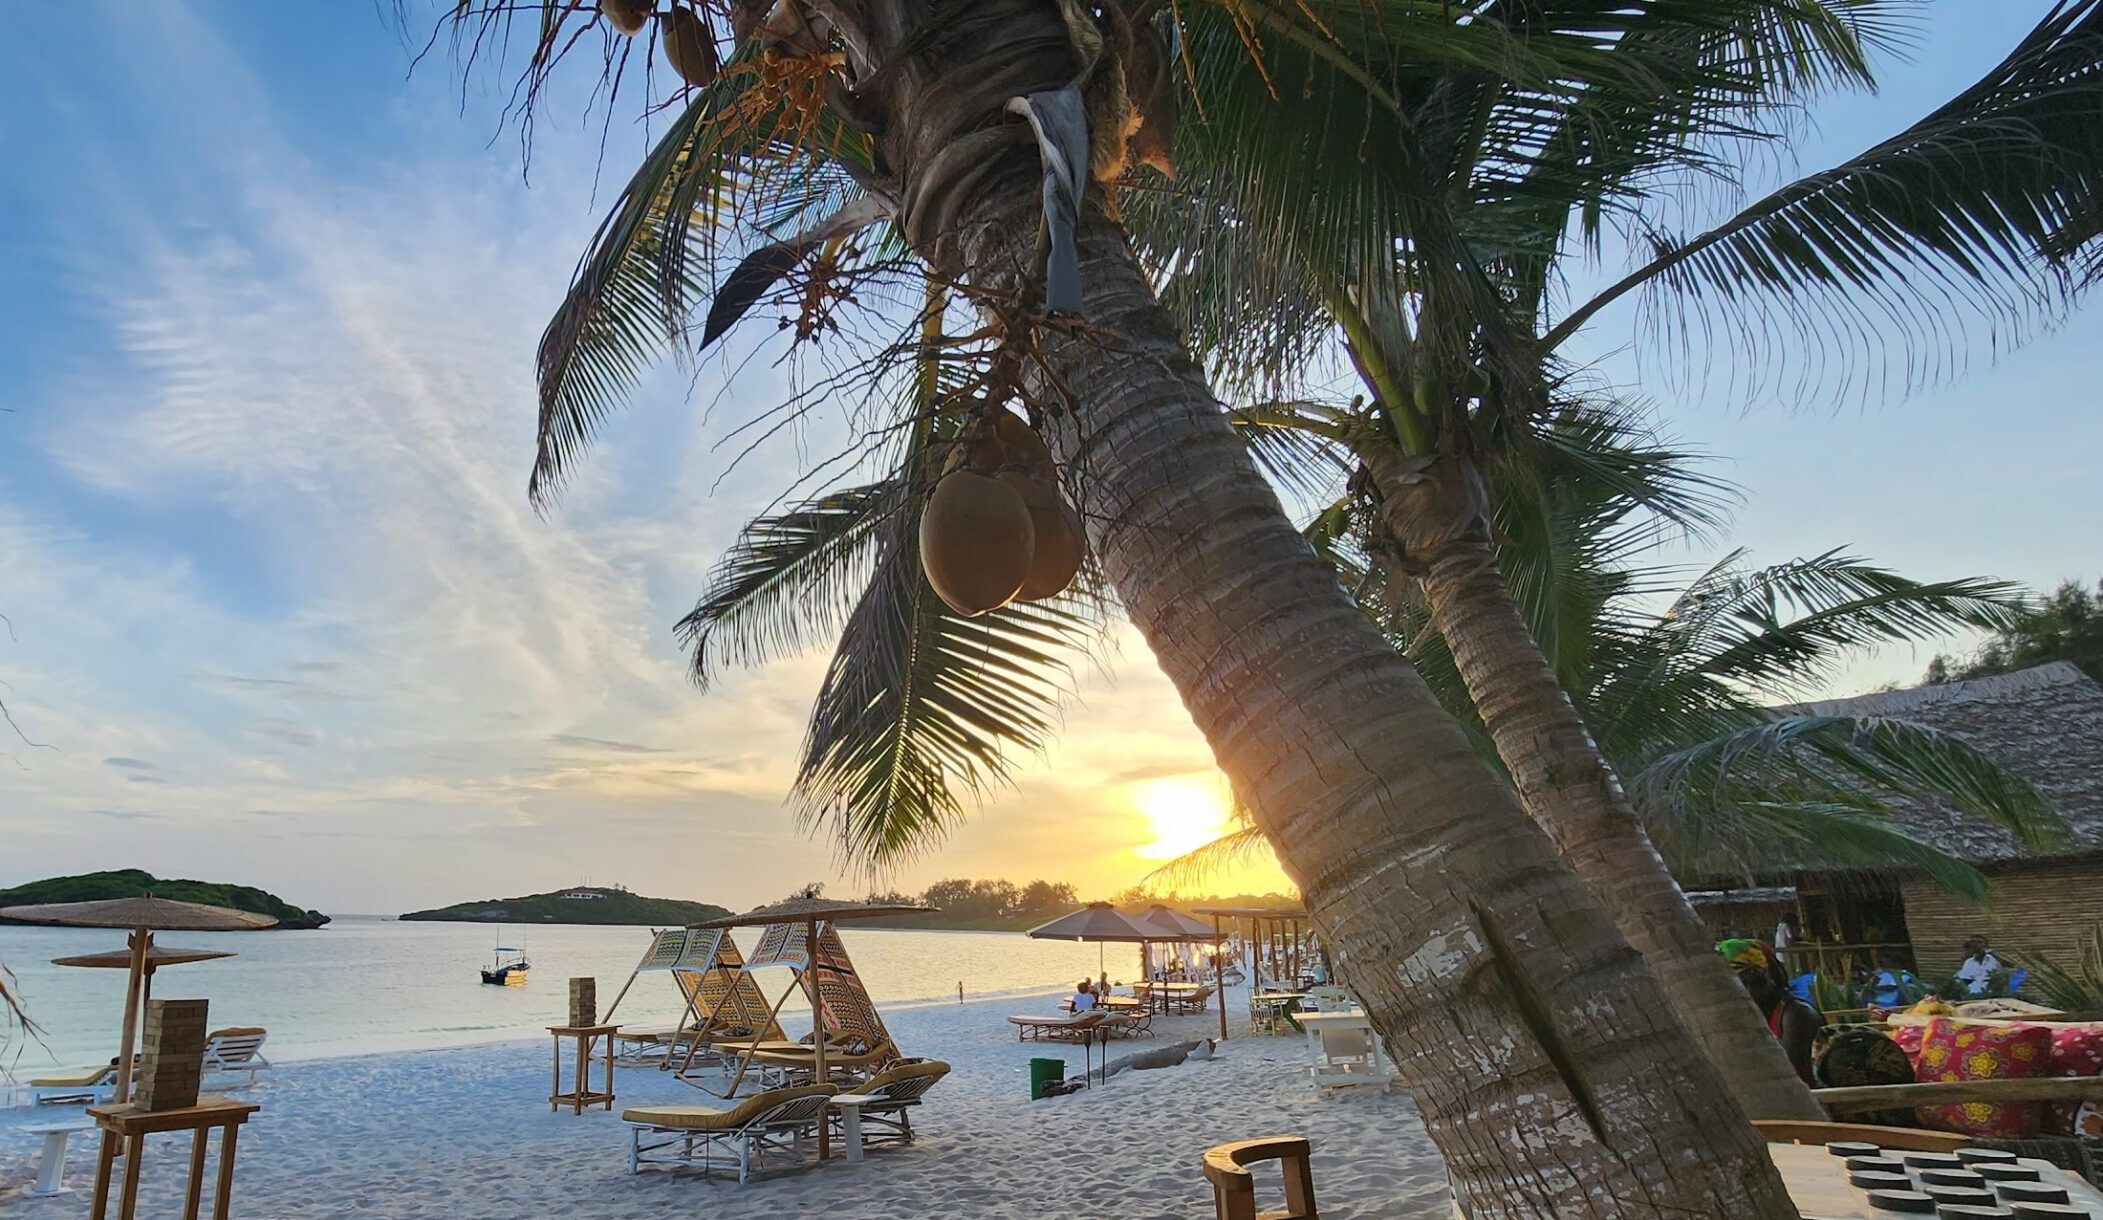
(1182, 813)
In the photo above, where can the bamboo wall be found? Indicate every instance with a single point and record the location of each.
(2048, 910)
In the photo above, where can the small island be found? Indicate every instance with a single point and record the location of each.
(587, 904)
(132, 882)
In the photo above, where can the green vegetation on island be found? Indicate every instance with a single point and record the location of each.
(132, 882)
(578, 904)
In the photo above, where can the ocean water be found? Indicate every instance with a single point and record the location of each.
(367, 983)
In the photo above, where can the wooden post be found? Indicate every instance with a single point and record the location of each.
(810, 987)
(141, 944)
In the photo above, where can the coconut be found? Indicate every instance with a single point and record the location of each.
(627, 16)
(1022, 444)
(976, 542)
(690, 47)
(1056, 557)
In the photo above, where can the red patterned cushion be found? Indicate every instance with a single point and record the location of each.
(1908, 1037)
(1951, 1051)
(2077, 1050)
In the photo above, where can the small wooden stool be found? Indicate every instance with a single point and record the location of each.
(580, 1094)
(128, 1124)
(1234, 1188)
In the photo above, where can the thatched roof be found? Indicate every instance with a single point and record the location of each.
(2045, 724)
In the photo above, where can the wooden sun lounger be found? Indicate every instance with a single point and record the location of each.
(895, 1092)
(764, 1122)
(1074, 1028)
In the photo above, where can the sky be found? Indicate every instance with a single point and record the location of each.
(279, 612)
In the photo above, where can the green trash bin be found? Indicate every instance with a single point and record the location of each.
(1044, 1072)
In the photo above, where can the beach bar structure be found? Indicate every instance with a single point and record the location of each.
(1278, 947)
(2046, 725)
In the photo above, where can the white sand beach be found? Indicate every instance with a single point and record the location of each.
(465, 1133)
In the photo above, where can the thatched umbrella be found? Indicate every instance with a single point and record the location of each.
(142, 915)
(810, 911)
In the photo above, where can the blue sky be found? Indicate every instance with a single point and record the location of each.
(282, 613)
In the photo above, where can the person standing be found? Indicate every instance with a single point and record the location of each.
(1978, 968)
(1784, 936)
(1794, 1022)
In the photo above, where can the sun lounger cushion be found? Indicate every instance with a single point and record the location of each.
(238, 1031)
(799, 1055)
(908, 1071)
(79, 1078)
(719, 1118)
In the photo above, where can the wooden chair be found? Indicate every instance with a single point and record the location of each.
(1784, 1131)
(1234, 1187)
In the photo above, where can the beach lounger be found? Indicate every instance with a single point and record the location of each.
(897, 1090)
(91, 1085)
(783, 1063)
(771, 1121)
(1072, 1028)
(239, 1049)
(1190, 1001)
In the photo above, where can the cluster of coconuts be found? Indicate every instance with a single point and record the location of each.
(996, 529)
(690, 43)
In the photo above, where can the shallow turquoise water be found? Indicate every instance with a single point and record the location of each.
(367, 984)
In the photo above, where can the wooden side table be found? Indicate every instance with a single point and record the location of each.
(131, 1125)
(580, 1094)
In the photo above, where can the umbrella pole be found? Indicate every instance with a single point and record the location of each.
(1219, 976)
(810, 987)
(141, 943)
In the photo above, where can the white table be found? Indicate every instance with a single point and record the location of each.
(1315, 1022)
(850, 1107)
(51, 1167)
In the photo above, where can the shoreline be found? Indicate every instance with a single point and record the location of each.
(414, 1134)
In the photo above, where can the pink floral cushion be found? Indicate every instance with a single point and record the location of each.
(1954, 1051)
(2077, 1050)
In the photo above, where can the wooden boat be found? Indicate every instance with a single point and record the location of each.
(508, 972)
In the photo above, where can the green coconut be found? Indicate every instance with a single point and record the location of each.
(627, 16)
(690, 47)
(1055, 557)
(977, 542)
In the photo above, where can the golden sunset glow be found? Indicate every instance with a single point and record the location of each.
(1182, 812)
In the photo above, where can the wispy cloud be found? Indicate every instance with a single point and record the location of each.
(600, 743)
(332, 362)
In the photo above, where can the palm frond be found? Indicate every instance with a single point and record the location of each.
(1865, 760)
(1304, 447)
(1750, 839)
(922, 708)
(789, 580)
(1242, 843)
(1972, 218)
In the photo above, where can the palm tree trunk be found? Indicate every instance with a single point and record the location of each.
(1545, 1067)
(1435, 511)
(1552, 1079)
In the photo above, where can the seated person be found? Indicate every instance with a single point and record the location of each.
(1789, 1018)
(1084, 996)
(1891, 986)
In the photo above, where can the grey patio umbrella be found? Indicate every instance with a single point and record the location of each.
(1099, 922)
